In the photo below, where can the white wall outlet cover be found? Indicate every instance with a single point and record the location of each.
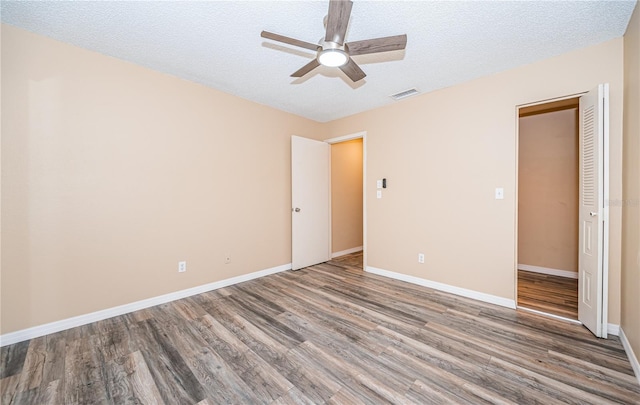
(499, 193)
(379, 194)
(420, 257)
(182, 267)
(378, 183)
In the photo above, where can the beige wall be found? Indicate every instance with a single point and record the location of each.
(445, 152)
(112, 173)
(548, 190)
(631, 186)
(1, 181)
(346, 195)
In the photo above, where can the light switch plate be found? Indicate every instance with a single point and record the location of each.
(500, 193)
(379, 193)
(379, 184)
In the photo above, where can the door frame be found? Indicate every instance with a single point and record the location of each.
(605, 265)
(357, 135)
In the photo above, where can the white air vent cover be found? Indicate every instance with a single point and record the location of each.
(404, 94)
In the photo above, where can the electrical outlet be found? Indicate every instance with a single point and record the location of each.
(420, 257)
(182, 267)
(227, 259)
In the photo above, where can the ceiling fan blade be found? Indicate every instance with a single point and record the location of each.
(338, 19)
(306, 68)
(290, 41)
(375, 45)
(352, 70)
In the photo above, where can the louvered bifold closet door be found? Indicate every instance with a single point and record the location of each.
(590, 211)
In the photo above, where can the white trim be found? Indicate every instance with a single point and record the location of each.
(613, 329)
(547, 270)
(492, 299)
(605, 214)
(630, 354)
(364, 199)
(41, 330)
(346, 252)
(516, 201)
(549, 100)
(562, 318)
(349, 137)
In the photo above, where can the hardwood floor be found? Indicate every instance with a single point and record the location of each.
(551, 294)
(325, 334)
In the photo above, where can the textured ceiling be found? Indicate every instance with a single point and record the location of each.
(218, 43)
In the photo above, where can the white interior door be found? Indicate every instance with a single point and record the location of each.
(310, 216)
(593, 115)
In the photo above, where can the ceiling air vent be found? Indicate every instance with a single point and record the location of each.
(404, 94)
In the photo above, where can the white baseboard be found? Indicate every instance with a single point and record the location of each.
(492, 299)
(346, 252)
(53, 327)
(630, 354)
(547, 270)
(613, 329)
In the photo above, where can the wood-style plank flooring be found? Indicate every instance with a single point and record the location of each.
(551, 294)
(325, 334)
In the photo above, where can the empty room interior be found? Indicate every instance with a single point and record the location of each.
(320, 202)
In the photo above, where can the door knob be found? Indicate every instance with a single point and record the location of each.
(296, 209)
(593, 214)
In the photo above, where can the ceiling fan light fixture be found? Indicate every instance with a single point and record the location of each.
(333, 57)
(332, 50)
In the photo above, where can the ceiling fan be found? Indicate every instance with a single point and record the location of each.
(333, 51)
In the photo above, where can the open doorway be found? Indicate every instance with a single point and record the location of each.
(548, 190)
(347, 202)
(311, 203)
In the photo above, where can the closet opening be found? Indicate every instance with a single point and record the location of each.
(548, 175)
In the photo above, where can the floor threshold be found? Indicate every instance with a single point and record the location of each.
(554, 316)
